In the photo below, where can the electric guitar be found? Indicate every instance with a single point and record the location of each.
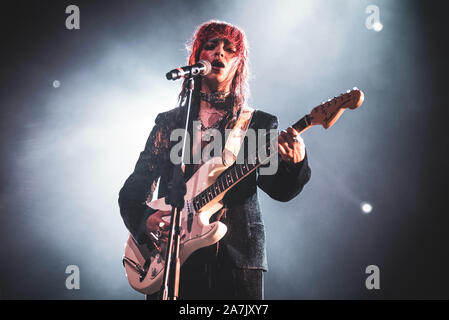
(144, 267)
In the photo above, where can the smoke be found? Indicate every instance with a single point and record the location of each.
(79, 141)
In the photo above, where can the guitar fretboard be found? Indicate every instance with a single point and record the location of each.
(226, 180)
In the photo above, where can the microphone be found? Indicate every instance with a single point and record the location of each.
(202, 67)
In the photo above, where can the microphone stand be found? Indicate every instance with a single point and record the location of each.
(175, 198)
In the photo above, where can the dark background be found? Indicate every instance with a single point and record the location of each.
(66, 151)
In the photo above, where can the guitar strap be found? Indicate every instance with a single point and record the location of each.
(236, 136)
(232, 148)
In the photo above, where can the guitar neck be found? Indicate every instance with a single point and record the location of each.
(325, 114)
(302, 124)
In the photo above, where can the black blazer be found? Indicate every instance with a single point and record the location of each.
(245, 239)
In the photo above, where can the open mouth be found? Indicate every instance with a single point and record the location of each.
(217, 64)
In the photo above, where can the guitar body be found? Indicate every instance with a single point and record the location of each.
(195, 234)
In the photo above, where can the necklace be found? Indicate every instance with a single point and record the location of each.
(217, 97)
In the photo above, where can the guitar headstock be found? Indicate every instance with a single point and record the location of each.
(327, 113)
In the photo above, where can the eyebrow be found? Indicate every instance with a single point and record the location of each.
(225, 40)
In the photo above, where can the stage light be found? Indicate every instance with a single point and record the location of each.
(366, 207)
(56, 84)
(377, 26)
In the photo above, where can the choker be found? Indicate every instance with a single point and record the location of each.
(217, 97)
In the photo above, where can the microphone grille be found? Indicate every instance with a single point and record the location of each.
(207, 65)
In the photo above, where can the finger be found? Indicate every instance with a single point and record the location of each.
(284, 153)
(286, 140)
(294, 131)
(281, 138)
(161, 213)
(293, 135)
(162, 225)
(289, 139)
(153, 229)
(282, 143)
(154, 224)
(151, 225)
(298, 138)
(299, 151)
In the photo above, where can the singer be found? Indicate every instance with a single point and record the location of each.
(233, 267)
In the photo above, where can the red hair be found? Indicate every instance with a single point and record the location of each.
(220, 29)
